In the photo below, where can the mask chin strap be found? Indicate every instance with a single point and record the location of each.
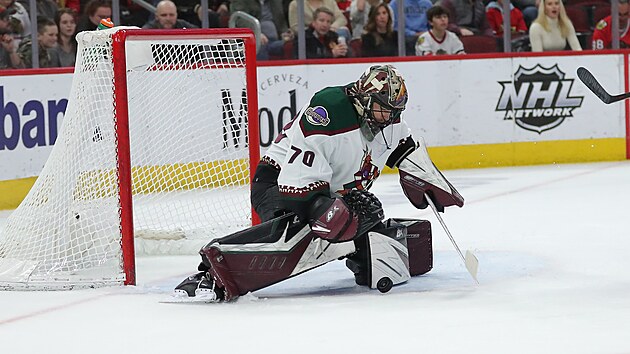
(385, 140)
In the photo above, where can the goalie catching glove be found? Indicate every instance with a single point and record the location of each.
(344, 219)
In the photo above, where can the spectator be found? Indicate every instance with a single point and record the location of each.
(467, 17)
(359, 15)
(166, 17)
(46, 38)
(602, 36)
(321, 41)
(343, 4)
(65, 53)
(19, 20)
(285, 8)
(529, 8)
(95, 11)
(379, 38)
(70, 4)
(438, 40)
(218, 14)
(190, 11)
(273, 25)
(9, 58)
(494, 13)
(552, 29)
(45, 8)
(415, 20)
(339, 19)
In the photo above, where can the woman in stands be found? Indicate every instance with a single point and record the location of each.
(360, 14)
(379, 38)
(65, 53)
(552, 30)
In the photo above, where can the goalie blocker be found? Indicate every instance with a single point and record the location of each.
(285, 247)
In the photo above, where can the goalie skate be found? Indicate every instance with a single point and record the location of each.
(198, 288)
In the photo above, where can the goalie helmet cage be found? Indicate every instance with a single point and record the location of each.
(159, 139)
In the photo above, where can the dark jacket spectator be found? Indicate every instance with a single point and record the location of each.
(254, 8)
(273, 24)
(467, 17)
(218, 12)
(321, 41)
(94, 12)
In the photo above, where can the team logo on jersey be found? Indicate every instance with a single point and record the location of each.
(601, 25)
(538, 99)
(317, 115)
(366, 175)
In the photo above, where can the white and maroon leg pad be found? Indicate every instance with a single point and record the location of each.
(399, 251)
(266, 254)
(388, 257)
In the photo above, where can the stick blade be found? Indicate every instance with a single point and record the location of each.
(472, 264)
(591, 82)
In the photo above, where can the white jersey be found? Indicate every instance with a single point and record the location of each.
(322, 151)
(427, 44)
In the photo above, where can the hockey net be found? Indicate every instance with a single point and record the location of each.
(159, 140)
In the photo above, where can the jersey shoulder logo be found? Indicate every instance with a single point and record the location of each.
(601, 25)
(317, 115)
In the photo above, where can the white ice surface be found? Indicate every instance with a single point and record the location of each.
(553, 244)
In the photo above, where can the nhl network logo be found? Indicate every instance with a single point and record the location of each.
(538, 99)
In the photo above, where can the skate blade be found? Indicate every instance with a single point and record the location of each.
(181, 296)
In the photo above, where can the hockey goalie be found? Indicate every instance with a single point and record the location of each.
(311, 192)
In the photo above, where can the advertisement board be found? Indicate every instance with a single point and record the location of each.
(476, 111)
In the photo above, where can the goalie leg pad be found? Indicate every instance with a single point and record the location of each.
(401, 249)
(389, 257)
(266, 254)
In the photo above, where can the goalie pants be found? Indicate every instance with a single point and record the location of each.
(265, 197)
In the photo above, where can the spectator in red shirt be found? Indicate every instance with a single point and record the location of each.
(343, 4)
(602, 36)
(494, 13)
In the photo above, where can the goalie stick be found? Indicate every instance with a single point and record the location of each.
(470, 261)
(589, 80)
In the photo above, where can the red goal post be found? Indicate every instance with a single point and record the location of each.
(157, 150)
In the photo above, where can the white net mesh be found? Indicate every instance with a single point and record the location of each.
(189, 155)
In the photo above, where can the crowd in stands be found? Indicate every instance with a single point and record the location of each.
(332, 28)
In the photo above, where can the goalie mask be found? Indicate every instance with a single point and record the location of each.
(381, 89)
